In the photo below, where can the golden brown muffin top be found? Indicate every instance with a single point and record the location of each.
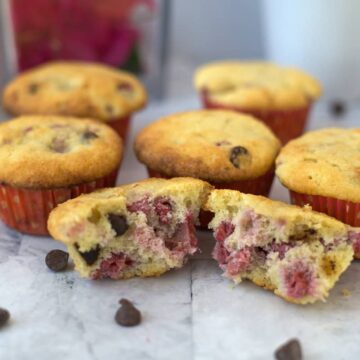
(75, 88)
(54, 151)
(213, 145)
(325, 162)
(256, 85)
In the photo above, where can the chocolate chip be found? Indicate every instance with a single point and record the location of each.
(4, 317)
(289, 351)
(89, 135)
(338, 108)
(90, 256)
(57, 260)
(118, 223)
(109, 109)
(124, 87)
(128, 314)
(33, 88)
(58, 145)
(236, 153)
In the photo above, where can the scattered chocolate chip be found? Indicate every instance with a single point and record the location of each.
(338, 108)
(57, 260)
(289, 351)
(311, 231)
(235, 153)
(118, 223)
(4, 317)
(128, 314)
(89, 135)
(33, 88)
(90, 256)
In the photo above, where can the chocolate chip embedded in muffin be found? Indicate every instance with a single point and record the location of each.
(289, 351)
(128, 314)
(4, 317)
(58, 145)
(90, 256)
(89, 135)
(57, 260)
(118, 224)
(236, 154)
(33, 88)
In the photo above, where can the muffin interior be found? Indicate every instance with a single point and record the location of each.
(296, 258)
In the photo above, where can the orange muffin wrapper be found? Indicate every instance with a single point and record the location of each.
(346, 211)
(286, 124)
(121, 126)
(258, 186)
(27, 210)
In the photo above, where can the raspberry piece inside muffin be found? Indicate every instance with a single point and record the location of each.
(297, 253)
(142, 229)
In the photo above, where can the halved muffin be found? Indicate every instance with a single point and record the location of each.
(295, 252)
(141, 229)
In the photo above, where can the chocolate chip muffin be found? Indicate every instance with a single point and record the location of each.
(142, 229)
(321, 169)
(46, 160)
(78, 89)
(279, 96)
(295, 252)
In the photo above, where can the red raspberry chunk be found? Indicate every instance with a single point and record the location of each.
(224, 230)
(163, 209)
(112, 266)
(142, 205)
(298, 279)
(239, 262)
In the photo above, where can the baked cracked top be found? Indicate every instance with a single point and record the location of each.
(256, 85)
(214, 145)
(75, 89)
(54, 151)
(325, 162)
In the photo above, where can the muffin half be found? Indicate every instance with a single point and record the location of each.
(295, 252)
(142, 229)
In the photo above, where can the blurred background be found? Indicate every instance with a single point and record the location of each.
(163, 41)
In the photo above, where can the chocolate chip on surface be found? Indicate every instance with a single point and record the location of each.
(4, 317)
(89, 135)
(33, 88)
(109, 109)
(289, 351)
(235, 155)
(124, 86)
(90, 256)
(58, 145)
(338, 108)
(57, 260)
(118, 223)
(127, 314)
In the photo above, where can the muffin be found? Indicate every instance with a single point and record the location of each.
(295, 252)
(225, 148)
(78, 89)
(281, 97)
(142, 229)
(322, 169)
(46, 160)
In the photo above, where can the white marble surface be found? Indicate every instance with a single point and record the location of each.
(192, 313)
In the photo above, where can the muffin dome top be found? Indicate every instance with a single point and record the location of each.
(54, 151)
(76, 89)
(324, 162)
(214, 145)
(256, 85)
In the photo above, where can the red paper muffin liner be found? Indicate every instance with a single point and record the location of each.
(121, 126)
(258, 186)
(27, 210)
(346, 211)
(286, 124)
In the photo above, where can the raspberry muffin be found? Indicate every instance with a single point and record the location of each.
(142, 229)
(295, 252)
(225, 148)
(78, 89)
(327, 167)
(281, 97)
(46, 160)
